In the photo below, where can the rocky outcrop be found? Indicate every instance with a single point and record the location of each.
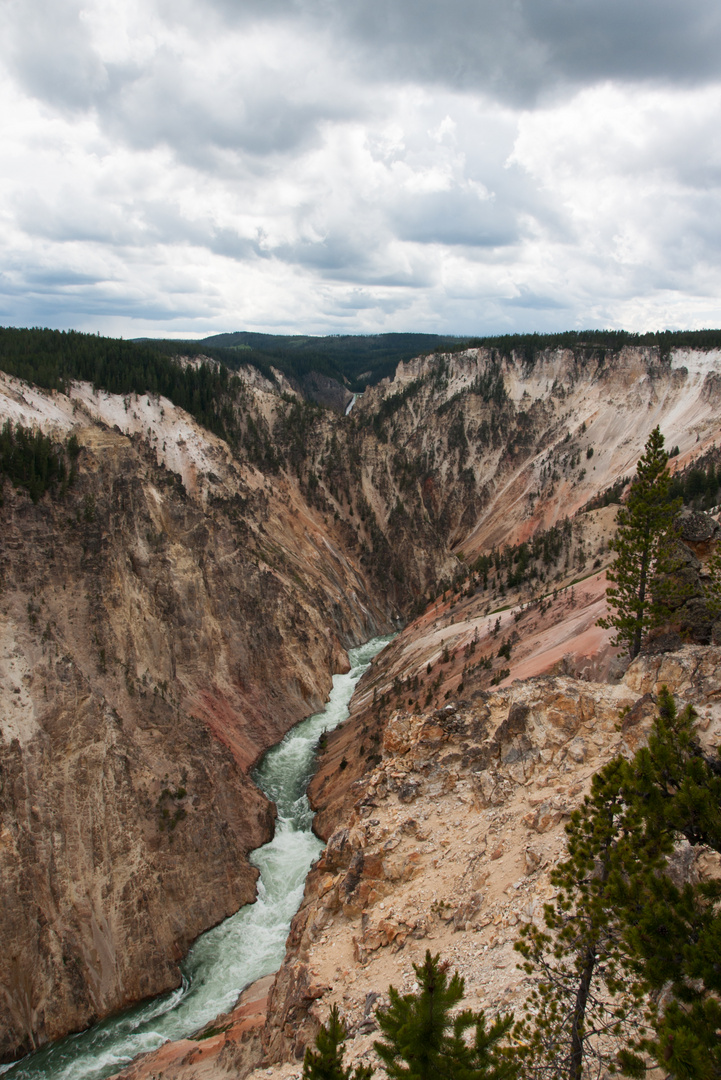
(694, 615)
(451, 839)
(700, 532)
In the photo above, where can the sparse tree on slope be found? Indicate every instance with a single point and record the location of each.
(585, 1005)
(425, 1042)
(326, 1061)
(642, 575)
(674, 930)
(629, 947)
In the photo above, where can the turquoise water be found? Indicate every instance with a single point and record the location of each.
(240, 950)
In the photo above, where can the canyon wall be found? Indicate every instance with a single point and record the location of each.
(151, 648)
(182, 605)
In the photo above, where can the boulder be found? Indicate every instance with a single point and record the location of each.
(698, 529)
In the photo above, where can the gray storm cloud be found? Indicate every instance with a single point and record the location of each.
(468, 166)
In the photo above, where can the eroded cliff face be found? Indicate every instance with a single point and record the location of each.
(494, 448)
(152, 646)
(181, 608)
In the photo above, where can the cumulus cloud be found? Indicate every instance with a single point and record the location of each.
(304, 164)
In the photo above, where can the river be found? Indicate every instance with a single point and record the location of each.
(248, 945)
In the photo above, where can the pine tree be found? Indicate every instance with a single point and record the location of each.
(585, 1005)
(326, 1062)
(628, 947)
(674, 931)
(425, 1042)
(642, 575)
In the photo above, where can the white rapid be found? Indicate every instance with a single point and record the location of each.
(246, 946)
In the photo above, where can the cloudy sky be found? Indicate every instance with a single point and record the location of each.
(181, 167)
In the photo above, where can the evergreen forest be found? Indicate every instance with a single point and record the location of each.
(33, 461)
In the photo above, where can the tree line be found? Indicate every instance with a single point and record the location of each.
(699, 485)
(53, 358)
(592, 345)
(356, 360)
(36, 463)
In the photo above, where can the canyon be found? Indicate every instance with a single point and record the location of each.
(183, 605)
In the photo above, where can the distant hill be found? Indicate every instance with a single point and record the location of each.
(359, 360)
(356, 360)
(49, 358)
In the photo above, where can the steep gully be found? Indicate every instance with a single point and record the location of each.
(248, 945)
(184, 610)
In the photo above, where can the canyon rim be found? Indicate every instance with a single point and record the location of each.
(187, 599)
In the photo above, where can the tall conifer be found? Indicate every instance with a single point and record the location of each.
(629, 968)
(642, 575)
(585, 1005)
(674, 930)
